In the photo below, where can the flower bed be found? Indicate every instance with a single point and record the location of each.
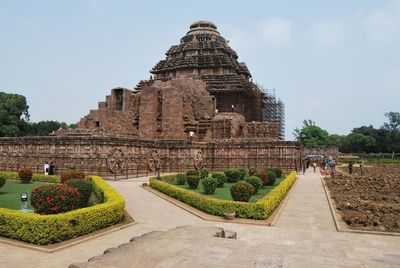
(47, 229)
(257, 210)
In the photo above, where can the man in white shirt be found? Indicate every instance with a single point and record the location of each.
(46, 168)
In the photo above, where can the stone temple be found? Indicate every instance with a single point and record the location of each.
(199, 108)
(200, 87)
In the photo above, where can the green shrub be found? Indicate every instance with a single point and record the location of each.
(203, 173)
(243, 173)
(193, 181)
(255, 182)
(210, 205)
(47, 229)
(263, 176)
(258, 210)
(192, 173)
(85, 189)
(55, 198)
(273, 199)
(232, 175)
(25, 175)
(278, 172)
(242, 191)
(220, 177)
(209, 185)
(72, 174)
(252, 171)
(180, 179)
(271, 178)
(3, 179)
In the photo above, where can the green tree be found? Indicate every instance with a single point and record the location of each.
(394, 122)
(13, 115)
(44, 128)
(357, 143)
(311, 134)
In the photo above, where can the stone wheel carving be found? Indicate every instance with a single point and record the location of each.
(198, 160)
(152, 160)
(116, 160)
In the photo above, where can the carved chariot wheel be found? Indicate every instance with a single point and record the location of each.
(116, 160)
(198, 160)
(153, 160)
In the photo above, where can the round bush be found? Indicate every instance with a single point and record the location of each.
(232, 175)
(243, 173)
(255, 182)
(85, 189)
(180, 179)
(25, 175)
(252, 171)
(55, 198)
(220, 177)
(271, 178)
(72, 174)
(192, 173)
(203, 173)
(278, 172)
(209, 185)
(193, 181)
(242, 191)
(263, 177)
(3, 179)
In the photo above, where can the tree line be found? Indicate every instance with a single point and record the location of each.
(14, 118)
(364, 139)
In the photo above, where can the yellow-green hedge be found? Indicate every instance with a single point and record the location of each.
(47, 229)
(258, 210)
(35, 177)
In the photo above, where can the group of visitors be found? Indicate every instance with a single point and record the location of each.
(49, 168)
(323, 164)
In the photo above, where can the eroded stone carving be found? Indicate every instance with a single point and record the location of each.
(116, 161)
(198, 159)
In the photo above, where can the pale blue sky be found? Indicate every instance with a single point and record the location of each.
(335, 62)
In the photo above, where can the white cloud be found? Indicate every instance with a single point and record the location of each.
(276, 32)
(363, 27)
(382, 25)
(330, 33)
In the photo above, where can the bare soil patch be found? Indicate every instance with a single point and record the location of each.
(369, 202)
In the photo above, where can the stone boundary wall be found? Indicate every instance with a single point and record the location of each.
(128, 156)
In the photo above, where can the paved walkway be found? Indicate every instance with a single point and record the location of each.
(304, 235)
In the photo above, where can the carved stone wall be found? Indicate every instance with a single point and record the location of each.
(122, 155)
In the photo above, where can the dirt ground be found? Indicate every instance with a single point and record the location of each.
(369, 202)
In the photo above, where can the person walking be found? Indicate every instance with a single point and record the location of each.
(351, 167)
(314, 165)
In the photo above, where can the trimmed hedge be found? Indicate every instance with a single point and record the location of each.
(258, 210)
(47, 229)
(35, 177)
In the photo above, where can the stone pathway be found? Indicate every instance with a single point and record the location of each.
(304, 236)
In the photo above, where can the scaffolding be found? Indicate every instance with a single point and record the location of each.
(274, 111)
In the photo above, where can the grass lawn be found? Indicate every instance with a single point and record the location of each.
(11, 191)
(225, 193)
